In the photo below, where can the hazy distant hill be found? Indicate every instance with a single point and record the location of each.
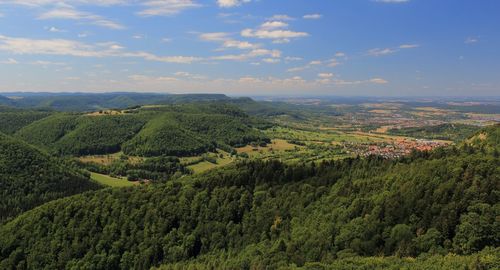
(92, 102)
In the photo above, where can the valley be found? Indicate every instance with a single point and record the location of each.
(183, 185)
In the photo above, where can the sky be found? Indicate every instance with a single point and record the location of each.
(252, 47)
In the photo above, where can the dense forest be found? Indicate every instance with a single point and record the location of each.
(29, 177)
(173, 130)
(12, 120)
(266, 214)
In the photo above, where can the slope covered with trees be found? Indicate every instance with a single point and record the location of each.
(178, 130)
(12, 120)
(29, 177)
(268, 214)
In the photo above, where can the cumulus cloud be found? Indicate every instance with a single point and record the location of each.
(273, 25)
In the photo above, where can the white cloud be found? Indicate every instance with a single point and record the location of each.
(387, 51)
(273, 25)
(315, 62)
(144, 78)
(312, 16)
(281, 17)
(409, 46)
(47, 63)
(249, 55)
(275, 30)
(271, 60)
(70, 13)
(273, 34)
(325, 75)
(83, 35)
(340, 54)
(166, 7)
(239, 44)
(471, 40)
(215, 36)
(10, 61)
(333, 62)
(79, 49)
(378, 81)
(231, 3)
(297, 69)
(55, 29)
(380, 52)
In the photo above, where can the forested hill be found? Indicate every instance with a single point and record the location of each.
(29, 177)
(178, 130)
(266, 215)
(92, 102)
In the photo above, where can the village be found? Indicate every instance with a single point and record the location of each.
(394, 149)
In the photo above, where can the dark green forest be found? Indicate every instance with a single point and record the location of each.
(173, 130)
(342, 214)
(29, 177)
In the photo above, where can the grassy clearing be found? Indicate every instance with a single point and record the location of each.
(111, 181)
(275, 145)
(108, 159)
(221, 158)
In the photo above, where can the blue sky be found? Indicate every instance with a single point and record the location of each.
(252, 47)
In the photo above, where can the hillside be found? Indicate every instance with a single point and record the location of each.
(29, 177)
(91, 102)
(254, 215)
(12, 120)
(178, 130)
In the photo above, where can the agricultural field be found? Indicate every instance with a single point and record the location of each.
(107, 180)
(205, 162)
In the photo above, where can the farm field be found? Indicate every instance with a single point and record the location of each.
(111, 181)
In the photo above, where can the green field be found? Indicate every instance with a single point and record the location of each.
(111, 181)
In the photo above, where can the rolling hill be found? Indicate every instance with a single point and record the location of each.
(179, 130)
